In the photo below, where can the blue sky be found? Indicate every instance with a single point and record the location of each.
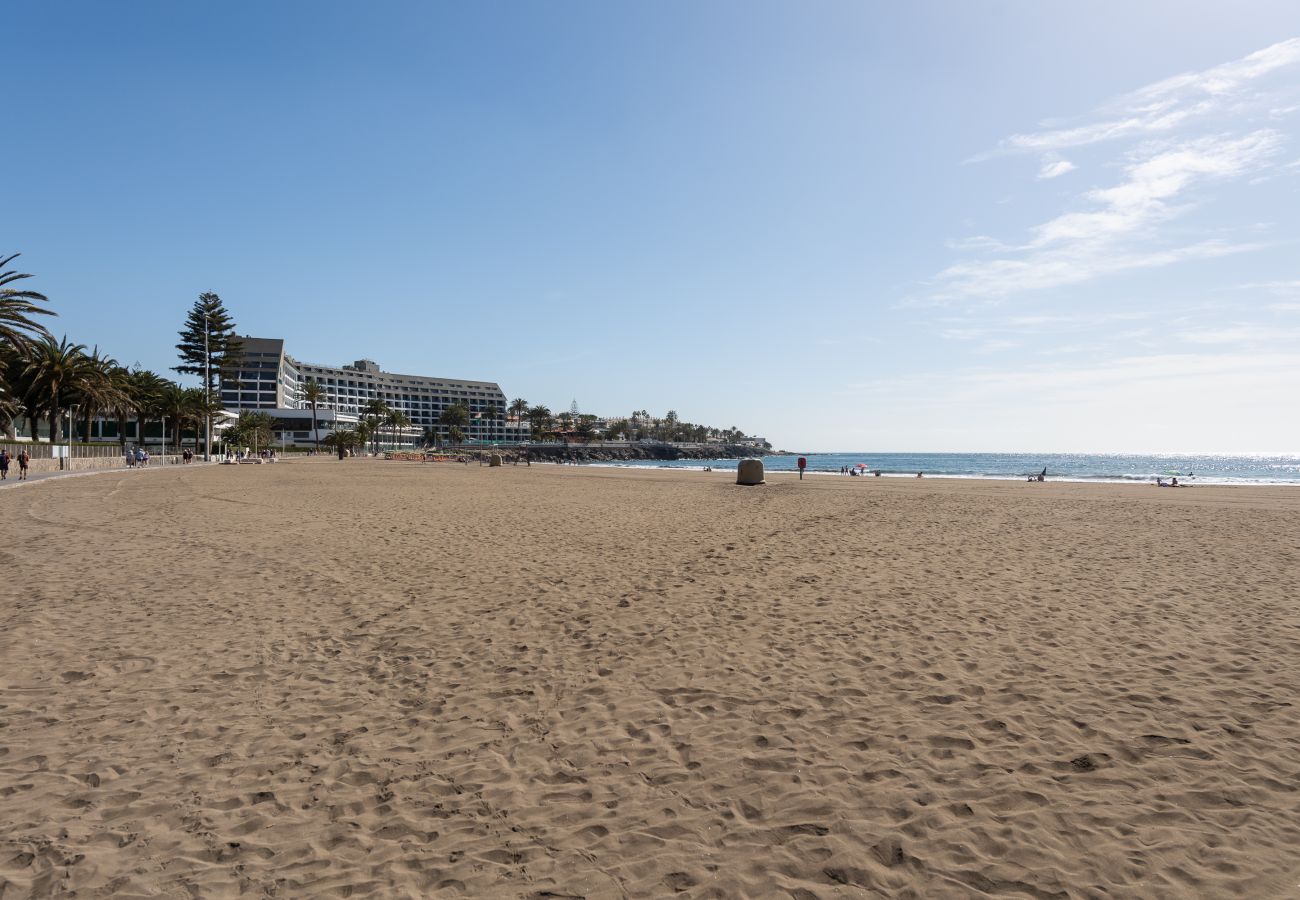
(931, 226)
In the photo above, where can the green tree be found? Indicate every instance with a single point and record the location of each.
(519, 408)
(313, 393)
(616, 429)
(397, 420)
(586, 426)
(455, 419)
(198, 406)
(374, 414)
(97, 391)
(11, 405)
(17, 327)
(539, 418)
(173, 406)
(488, 418)
(253, 429)
(224, 350)
(145, 394)
(56, 367)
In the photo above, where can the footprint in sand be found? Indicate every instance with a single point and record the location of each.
(127, 665)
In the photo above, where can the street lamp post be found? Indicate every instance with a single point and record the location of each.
(72, 418)
(207, 392)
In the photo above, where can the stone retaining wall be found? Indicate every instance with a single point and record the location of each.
(82, 465)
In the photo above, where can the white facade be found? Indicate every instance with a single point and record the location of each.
(271, 379)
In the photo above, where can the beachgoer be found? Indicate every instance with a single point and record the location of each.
(918, 474)
(1173, 482)
(4, 464)
(23, 459)
(139, 456)
(877, 473)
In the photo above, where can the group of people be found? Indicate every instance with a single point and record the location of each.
(24, 461)
(137, 457)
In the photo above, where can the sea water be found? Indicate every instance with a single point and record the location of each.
(1115, 467)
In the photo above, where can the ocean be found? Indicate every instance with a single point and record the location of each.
(1191, 469)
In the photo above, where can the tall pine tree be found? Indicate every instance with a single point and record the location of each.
(224, 349)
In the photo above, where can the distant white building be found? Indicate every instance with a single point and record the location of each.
(271, 380)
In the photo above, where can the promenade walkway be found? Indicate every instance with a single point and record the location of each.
(13, 482)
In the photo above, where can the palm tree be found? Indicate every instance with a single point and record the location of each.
(375, 412)
(519, 409)
(313, 393)
(197, 408)
(487, 417)
(12, 369)
(539, 418)
(144, 400)
(252, 429)
(174, 405)
(56, 367)
(397, 420)
(97, 390)
(456, 418)
(17, 307)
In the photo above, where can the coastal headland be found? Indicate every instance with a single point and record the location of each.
(646, 450)
(370, 678)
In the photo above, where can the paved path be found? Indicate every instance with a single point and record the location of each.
(13, 482)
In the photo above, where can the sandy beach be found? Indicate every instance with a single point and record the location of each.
(384, 679)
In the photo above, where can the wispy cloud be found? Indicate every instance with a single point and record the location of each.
(1277, 287)
(1163, 106)
(1129, 372)
(1119, 232)
(1054, 166)
(1240, 333)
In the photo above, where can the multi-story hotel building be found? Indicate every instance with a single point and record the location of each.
(271, 379)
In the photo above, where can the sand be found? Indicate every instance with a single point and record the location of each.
(384, 679)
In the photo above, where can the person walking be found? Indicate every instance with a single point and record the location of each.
(23, 459)
(4, 465)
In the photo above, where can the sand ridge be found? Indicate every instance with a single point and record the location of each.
(387, 679)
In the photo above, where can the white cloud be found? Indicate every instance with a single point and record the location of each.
(1118, 234)
(1059, 267)
(1164, 105)
(1053, 167)
(1277, 287)
(1239, 333)
(1156, 177)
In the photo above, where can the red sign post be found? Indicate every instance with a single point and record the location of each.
(803, 464)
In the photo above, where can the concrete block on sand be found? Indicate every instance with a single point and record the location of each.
(749, 471)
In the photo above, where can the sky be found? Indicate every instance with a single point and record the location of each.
(932, 226)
